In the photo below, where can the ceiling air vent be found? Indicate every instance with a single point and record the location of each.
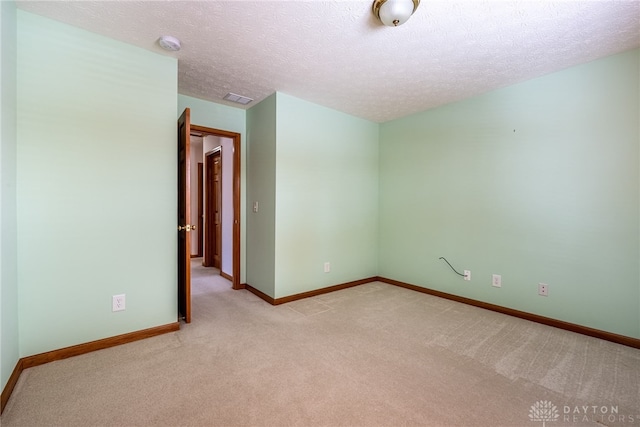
(237, 98)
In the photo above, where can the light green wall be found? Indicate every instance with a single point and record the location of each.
(223, 117)
(9, 344)
(216, 116)
(96, 186)
(261, 188)
(537, 182)
(326, 197)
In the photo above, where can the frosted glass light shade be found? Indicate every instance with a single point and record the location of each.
(394, 12)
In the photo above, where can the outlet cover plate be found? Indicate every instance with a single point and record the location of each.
(118, 302)
(543, 289)
(496, 280)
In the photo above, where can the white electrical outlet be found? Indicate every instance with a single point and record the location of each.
(496, 280)
(327, 267)
(467, 275)
(543, 289)
(117, 302)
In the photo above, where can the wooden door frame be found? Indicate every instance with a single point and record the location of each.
(205, 131)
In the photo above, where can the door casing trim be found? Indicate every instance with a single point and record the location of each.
(236, 137)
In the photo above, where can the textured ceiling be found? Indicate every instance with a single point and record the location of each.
(336, 54)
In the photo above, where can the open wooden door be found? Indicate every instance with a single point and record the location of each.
(184, 217)
(217, 207)
(200, 234)
(213, 202)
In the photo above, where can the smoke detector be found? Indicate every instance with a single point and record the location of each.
(169, 43)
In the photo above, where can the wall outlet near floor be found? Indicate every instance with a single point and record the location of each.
(117, 302)
(327, 267)
(496, 280)
(467, 275)
(543, 289)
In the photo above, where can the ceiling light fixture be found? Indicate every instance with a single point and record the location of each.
(169, 43)
(394, 12)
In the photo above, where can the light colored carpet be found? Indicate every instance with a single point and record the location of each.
(373, 355)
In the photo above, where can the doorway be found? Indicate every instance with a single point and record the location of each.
(185, 130)
(234, 138)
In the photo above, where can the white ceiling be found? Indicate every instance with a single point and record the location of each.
(336, 54)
